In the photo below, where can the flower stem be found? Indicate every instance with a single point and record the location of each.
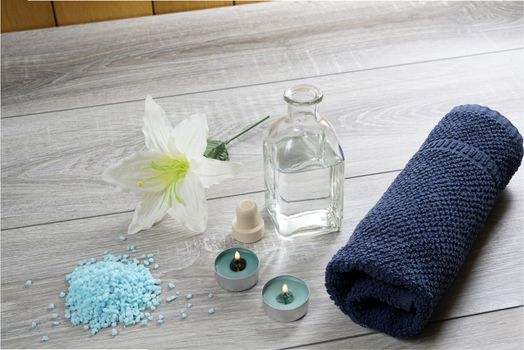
(246, 130)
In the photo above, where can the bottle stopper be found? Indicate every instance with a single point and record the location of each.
(248, 226)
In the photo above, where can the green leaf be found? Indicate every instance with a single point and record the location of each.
(216, 149)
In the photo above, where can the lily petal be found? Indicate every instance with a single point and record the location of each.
(135, 174)
(192, 213)
(212, 171)
(157, 127)
(150, 210)
(190, 136)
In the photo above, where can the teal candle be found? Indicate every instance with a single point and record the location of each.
(286, 298)
(236, 275)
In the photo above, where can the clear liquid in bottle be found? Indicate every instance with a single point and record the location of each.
(304, 168)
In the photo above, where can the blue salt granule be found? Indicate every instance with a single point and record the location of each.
(122, 237)
(144, 322)
(114, 332)
(111, 292)
(211, 310)
(45, 338)
(189, 296)
(151, 260)
(170, 298)
(28, 283)
(86, 327)
(159, 322)
(160, 317)
(156, 266)
(189, 305)
(171, 285)
(34, 325)
(146, 262)
(54, 316)
(55, 323)
(210, 296)
(150, 255)
(62, 295)
(51, 306)
(183, 314)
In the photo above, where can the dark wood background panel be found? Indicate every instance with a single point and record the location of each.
(75, 12)
(23, 15)
(161, 7)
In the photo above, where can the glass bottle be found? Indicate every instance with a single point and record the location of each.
(303, 168)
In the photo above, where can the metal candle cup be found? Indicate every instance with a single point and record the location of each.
(296, 295)
(236, 281)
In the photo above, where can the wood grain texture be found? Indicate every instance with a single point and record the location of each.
(491, 278)
(74, 12)
(23, 15)
(180, 53)
(389, 71)
(161, 7)
(381, 116)
(495, 330)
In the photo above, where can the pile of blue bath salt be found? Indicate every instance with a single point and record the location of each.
(113, 291)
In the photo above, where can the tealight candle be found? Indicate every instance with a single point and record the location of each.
(236, 269)
(286, 298)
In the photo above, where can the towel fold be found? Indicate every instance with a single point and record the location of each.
(405, 253)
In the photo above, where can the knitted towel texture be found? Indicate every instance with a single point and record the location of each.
(405, 253)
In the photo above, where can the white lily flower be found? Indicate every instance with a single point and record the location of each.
(170, 175)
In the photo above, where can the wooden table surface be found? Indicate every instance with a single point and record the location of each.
(72, 104)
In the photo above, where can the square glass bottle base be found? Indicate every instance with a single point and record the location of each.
(313, 222)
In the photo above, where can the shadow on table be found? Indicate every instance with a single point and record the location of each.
(457, 289)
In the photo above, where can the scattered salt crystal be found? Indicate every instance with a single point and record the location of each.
(211, 310)
(171, 285)
(28, 283)
(54, 316)
(151, 259)
(183, 314)
(55, 323)
(45, 338)
(51, 306)
(62, 295)
(156, 266)
(34, 325)
(189, 296)
(114, 332)
(122, 237)
(170, 298)
(210, 295)
(189, 305)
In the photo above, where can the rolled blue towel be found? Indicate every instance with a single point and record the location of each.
(405, 253)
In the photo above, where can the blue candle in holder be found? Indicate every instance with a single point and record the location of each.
(286, 298)
(236, 269)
